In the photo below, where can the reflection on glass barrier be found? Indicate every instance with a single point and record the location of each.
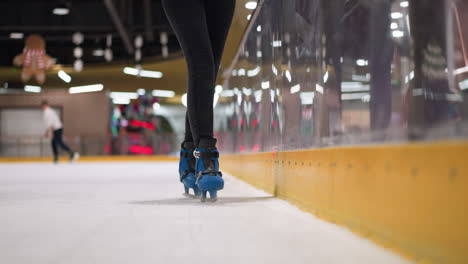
(317, 73)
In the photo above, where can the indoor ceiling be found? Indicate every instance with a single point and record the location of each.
(93, 18)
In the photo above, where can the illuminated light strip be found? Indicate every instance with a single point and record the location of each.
(142, 73)
(32, 89)
(251, 5)
(253, 72)
(64, 76)
(121, 101)
(227, 93)
(16, 35)
(354, 96)
(123, 95)
(163, 93)
(295, 89)
(460, 70)
(265, 85)
(86, 88)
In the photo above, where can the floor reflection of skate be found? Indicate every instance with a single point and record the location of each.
(193, 200)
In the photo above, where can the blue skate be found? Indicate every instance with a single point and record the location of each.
(187, 169)
(209, 178)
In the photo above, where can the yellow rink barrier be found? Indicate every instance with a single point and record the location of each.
(94, 159)
(412, 198)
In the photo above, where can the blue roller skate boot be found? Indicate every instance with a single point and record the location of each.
(187, 169)
(209, 178)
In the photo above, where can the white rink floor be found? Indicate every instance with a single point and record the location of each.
(126, 213)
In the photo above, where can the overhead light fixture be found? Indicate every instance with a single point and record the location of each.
(64, 76)
(141, 91)
(460, 70)
(349, 87)
(98, 52)
(249, 17)
(394, 25)
(184, 100)
(163, 93)
(265, 85)
(251, 5)
(32, 89)
(123, 95)
(254, 72)
(354, 96)
(218, 89)
(404, 4)
(86, 88)
(227, 93)
(307, 98)
(259, 28)
(396, 15)
(61, 10)
(398, 34)
(362, 62)
(121, 101)
(277, 43)
(16, 35)
(156, 106)
(295, 89)
(319, 88)
(142, 73)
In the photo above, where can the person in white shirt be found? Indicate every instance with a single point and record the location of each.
(55, 130)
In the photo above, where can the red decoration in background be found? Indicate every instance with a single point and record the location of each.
(141, 150)
(143, 124)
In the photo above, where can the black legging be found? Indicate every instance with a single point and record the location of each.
(57, 141)
(201, 27)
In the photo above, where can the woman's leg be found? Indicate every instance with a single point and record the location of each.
(219, 16)
(188, 20)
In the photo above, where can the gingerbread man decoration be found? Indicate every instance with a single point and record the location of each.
(34, 59)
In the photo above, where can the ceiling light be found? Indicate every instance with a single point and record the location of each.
(227, 93)
(396, 15)
(32, 89)
(121, 101)
(265, 85)
(141, 91)
(163, 93)
(16, 35)
(98, 52)
(251, 5)
(64, 76)
(184, 99)
(295, 89)
(394, 25)
(259, 29)
(404, 4)
(156, 106)
(86, 88)
(142, 73)
(123, 95)
(249, 17)
(398, 34)
(61, 11)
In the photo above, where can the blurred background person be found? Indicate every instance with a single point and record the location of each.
(54, 129)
